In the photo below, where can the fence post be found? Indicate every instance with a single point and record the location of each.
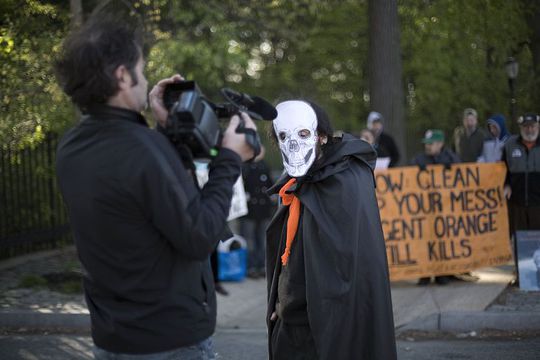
(52, 200)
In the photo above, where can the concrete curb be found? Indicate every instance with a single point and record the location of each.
(463, 321)
(452, 321)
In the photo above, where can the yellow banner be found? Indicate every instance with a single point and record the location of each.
(443, 221)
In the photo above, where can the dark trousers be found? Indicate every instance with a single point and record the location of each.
(523, 218)
(254, 231)
(291, 342)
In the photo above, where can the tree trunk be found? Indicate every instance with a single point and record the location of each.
(76, 11)
(385, 70)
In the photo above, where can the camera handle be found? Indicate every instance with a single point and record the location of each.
(240, 102)
(252, 138)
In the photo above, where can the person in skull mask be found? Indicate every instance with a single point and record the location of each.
(328, 288)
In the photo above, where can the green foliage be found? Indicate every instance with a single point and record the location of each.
(325, 64)
(32, 281)
(30, 102)
(454, 53)
(71, 287)
(64, 282)
(453, 56)
(72, 266)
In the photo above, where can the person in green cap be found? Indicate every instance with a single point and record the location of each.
(435, 153)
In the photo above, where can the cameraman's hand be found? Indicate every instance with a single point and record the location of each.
(156, 99)
(237, 141)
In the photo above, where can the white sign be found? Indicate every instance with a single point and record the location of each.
(528, 248)
(239, 200)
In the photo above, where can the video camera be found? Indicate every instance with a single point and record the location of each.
(194, 120)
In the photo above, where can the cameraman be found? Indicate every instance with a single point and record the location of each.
(143, 229)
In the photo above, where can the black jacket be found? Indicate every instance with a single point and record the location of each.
(523, 173)
(143, 231)
(446, 158)
(347, 290)
(469, 148)
(386, 147)
(257, 181)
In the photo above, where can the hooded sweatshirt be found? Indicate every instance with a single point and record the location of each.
(493, 146)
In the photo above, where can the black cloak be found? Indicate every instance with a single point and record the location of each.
(348, 295)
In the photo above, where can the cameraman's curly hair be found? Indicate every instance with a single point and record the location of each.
(90, 56)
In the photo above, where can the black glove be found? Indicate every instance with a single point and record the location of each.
(422, 167)
(447, 165)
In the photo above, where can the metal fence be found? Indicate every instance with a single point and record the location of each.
(32, 214)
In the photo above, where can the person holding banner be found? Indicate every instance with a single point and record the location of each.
(384, 143)
(493, 146)
(469, 138)
(522, 157)
(328, 289)
(435, 153)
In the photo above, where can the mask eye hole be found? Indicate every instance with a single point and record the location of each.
(304, 133)
(282, 136)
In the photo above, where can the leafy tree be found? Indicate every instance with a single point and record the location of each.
(532, 17)
(454, 55)
(30, 102)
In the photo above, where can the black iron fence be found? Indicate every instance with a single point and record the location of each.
(32, 214)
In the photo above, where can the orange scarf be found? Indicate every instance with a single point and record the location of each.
(294, 215)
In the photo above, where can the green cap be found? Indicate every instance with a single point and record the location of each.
(433, 135)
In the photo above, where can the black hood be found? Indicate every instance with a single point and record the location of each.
(348, 145)
(334, 159)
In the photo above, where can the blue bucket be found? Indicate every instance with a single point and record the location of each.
(232, 259)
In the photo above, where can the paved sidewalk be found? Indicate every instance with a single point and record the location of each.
(38, 307)
(457, 307)
(466, 306)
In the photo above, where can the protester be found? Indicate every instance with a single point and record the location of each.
(522, 157)
(329, 294)
(257, 181)
(384, 143)
(494, 144)
(435, 153)
(367, 136)
(143, 229)
(469, 139)
(214, 264)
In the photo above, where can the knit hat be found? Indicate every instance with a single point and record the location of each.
(373, 116)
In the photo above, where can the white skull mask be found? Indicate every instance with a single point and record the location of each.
(296, 130)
